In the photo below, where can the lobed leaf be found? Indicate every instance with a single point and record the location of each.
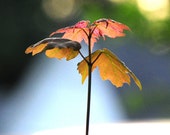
(56, 48)
(77, 32)
(109, 28)
(110, 68)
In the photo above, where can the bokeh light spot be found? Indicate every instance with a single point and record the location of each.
(154, 9)
(58, 9)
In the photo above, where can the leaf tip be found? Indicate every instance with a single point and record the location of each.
(139, 85)
(137, 81)
(28, 50)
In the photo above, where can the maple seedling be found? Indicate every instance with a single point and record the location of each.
(68, 46)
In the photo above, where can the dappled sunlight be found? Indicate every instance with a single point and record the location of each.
(154, 9)
(151, 9)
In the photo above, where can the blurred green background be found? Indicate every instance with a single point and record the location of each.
(145, 50)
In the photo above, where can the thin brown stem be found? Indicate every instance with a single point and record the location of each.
(89, 86)
(88, 100)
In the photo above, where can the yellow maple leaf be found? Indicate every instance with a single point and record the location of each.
(110, 68)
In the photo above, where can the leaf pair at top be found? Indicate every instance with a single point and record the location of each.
(100, 28)
(110, 67)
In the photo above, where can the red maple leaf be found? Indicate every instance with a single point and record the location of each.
(77, 32)
(109, 28)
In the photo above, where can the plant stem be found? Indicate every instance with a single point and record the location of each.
(89, 86)
(88, 100)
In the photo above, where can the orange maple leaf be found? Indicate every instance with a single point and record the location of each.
(56, 48)
(110, 67)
